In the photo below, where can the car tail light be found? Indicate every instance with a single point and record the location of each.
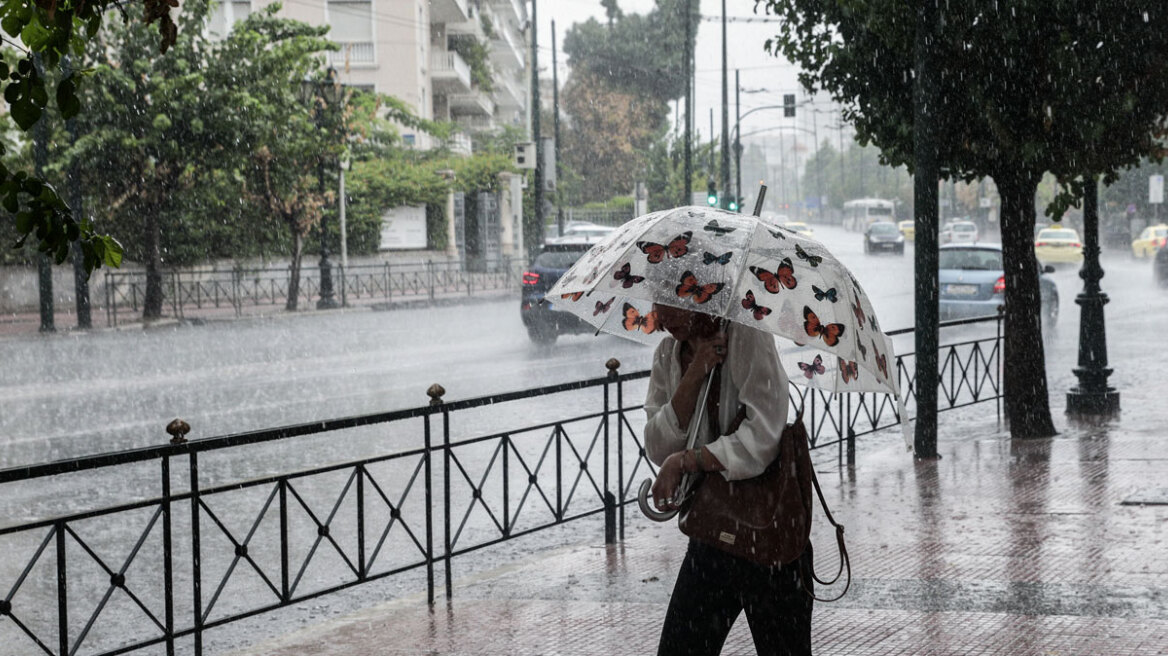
(1041, 244)
(1000, 285)
(530, 277)
(1077, 245)
(1163, 242)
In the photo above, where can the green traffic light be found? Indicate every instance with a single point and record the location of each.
(712, 200)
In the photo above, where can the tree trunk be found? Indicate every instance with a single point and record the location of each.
(294, 274)
(1023, 361)
(152, 305)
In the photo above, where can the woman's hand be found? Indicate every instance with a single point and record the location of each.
(668, 480)
(708, 353)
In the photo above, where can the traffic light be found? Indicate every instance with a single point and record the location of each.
(711, 194)
(732, 203)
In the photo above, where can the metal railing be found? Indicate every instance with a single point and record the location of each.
(189, 292)
(448, 493)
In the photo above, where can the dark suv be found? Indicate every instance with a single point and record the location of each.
(543, 322)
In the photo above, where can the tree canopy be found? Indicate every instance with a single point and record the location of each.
(1074, 87)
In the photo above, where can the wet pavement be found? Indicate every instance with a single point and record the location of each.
(1037, 547)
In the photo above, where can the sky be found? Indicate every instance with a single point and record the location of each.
(766, 76)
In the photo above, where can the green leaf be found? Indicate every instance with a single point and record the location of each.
(12, 24)
(62, 252)
(67, 100)
(24, 220)
(113, 251)
(25, 113)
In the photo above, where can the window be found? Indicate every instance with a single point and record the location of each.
(352, 27)
(226, 15)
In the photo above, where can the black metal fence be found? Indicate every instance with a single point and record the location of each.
(191, 292)
(198, 550)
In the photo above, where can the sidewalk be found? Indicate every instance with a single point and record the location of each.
(1044, 547)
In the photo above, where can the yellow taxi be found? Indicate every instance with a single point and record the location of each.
(1150, 241)
(1058, 245)
(800, 227)
(908, 229)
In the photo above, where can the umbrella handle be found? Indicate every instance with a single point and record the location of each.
(647, 509)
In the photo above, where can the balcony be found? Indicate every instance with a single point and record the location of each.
(474, 102)
(459, 144)
(506, 51)
(449, 11)
(473, 25)
(508, 95)
(361, 54)
(449, 73)
(475, 123)
(512, 11)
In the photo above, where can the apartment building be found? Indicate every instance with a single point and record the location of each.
(454, 60)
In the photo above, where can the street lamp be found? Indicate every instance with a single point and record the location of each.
(330, 93)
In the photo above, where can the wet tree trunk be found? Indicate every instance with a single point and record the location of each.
(294, 273)
(152, 305)
(1024, 360)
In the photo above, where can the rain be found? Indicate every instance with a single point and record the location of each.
(346, 310)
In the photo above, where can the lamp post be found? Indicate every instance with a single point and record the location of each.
(329, 92)
(1092, 396)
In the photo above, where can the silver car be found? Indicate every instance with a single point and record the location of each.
(973, 283)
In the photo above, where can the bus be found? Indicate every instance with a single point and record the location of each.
(862, 212)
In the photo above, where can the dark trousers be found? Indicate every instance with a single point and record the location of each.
(713, 587)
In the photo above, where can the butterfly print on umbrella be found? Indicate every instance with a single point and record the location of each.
(625, 278)
(863, 350)
(784, 276)
(849, 370)
(815, 367)
(748, 303)
(634, 320)
(777, 234)
(602, 308)
(574, 296)
(872, 322)
(691, 288)
(710, 258)
(858, 311)
(813, 260)
(717, 229)
(677, 247)
(820, 294)
(881, 360)
(829, 332)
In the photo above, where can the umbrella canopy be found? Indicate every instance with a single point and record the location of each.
(743, 269)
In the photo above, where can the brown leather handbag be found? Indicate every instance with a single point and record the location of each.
(765, 519)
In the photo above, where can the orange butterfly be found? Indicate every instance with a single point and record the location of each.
(677, 247)
(635, 320)
(849, 370)
(881, 360)
(575, 296)
(784, 276)
(830, 332)
(749, 304)
(859, 312)
(691, 288)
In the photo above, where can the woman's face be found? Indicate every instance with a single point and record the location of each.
(684, 325)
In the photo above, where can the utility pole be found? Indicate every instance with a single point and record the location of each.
(40, 155)
(539, 219)
(687, 64)
(80, 277)
(712, 142)
(818, 165)
(556, 131)
(725, 117)
(737, 140)
(925, 259)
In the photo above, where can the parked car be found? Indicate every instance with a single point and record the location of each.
(959, 232)
(908, 229)
(973, 283)
(1160, 267)
(589, 232)
(543, 322)
(1151, 241)
(1058, 245)
(800, 227)
(883, 237)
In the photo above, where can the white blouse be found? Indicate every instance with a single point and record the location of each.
(752, 376)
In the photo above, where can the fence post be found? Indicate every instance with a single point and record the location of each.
(236, 285)
(175, 294)
(341, 268)
(111, 313)
(196, 561)
(388, 293)
(427, 456)
(611, 502)
(62, 589)
(430, 270)
(613, 367)
(177, 429)
(435, 392)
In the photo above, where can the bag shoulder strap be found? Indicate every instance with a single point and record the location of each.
(845, 561)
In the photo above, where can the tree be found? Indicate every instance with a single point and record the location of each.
(50, 30)
(1073, 87)
(233, 102)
